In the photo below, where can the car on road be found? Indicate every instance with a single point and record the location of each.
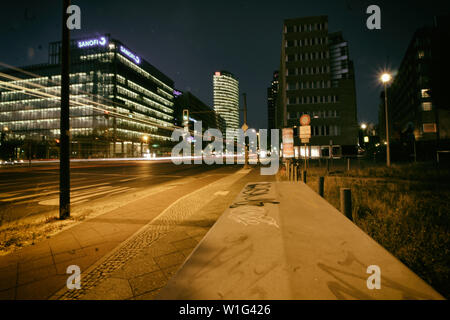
(10, 162)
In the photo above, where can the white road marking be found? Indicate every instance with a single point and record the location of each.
(116, 192)
(130, 179)
(221, 193)
(9, 194)
(31, 183)
(77, 199)
(72, 194)
(42, 187)
(48, 193)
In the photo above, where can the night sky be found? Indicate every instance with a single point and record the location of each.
(189, 40)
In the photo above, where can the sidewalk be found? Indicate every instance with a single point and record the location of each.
(38, 272)
(142, 265)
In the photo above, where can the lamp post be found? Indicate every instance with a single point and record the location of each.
(246, 166)
(64, 158)
(362, 135)
(386, 78)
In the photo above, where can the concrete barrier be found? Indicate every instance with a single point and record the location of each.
(282, 241)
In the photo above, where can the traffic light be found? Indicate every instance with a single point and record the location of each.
(185, 117)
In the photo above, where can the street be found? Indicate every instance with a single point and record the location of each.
(192, 197)
(31, 191)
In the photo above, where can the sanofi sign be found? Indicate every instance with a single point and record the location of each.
(92, 42)
(103, 41)
(130, 54)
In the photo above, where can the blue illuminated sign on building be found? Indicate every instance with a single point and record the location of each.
(130, 55)
(92, 43)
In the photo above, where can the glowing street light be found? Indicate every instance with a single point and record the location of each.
(145, 138)
(364, 126)
(385, 79)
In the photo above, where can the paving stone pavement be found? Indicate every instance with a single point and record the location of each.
(142, 266)
(39, 271)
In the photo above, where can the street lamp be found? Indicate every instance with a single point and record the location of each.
(364, 126)
(385, 79)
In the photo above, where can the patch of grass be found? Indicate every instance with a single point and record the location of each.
(17, 235)
(405, 209)
(13, 241)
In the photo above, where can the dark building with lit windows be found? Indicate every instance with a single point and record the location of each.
(272, 94)
(120, 104)
(418, 99)
(198, 111)
(317, 78)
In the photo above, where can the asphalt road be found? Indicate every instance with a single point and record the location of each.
(29, 191)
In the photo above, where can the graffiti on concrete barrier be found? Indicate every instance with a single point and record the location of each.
(253, 196)
(252, 216)
(250, 210)
(341, 285)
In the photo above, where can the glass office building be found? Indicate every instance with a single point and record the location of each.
(226, 98)
(120, 105)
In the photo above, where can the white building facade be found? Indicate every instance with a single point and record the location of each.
(226, 98)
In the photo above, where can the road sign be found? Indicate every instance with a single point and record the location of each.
(245, 127)
(305, 120)
(288, 143)
(305, 132)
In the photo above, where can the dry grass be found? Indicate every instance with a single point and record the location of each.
(405, 209)
(19, 234)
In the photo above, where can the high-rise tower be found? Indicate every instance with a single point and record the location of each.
(226, 98)
(272, 93)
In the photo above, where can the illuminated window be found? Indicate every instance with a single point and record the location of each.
(429, 128)
(425, 93)
(421, 54)
(427, 106)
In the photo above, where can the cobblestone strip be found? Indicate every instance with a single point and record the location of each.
(160, 226)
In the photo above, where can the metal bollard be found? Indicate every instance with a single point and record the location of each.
(304, 176)
(321, 186)
(287, 169)
(348, 164)
(346, 203)
(295, 173)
